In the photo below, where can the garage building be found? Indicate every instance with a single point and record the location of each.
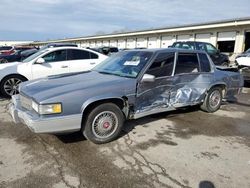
(229, 36)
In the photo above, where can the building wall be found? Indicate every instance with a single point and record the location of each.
(164, 40)
(220, 34)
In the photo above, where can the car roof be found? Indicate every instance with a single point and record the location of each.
(159, 50)
(198, 42)
(70, 47)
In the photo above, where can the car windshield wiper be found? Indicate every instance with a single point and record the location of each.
(103, 72)
(116, 74)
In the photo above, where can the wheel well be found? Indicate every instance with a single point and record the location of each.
(222, 86)
(121, 103)
(12, 75)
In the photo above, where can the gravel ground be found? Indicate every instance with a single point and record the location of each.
(185, 148)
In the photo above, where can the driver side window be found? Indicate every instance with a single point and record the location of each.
(162, 65)
(59, 55)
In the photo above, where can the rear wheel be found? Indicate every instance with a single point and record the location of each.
(212, 100)
(226, 64)
(9, 85)
(3, 61)
(104, 123)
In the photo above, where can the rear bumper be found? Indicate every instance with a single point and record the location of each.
(38, 124)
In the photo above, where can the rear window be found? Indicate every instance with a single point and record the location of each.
(5, 48)
(204, 63)
(187, 63)
(183, 45)
(113, 49)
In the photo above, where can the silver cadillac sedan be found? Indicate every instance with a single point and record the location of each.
(128, 85)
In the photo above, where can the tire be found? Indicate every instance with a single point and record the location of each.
(212, 100)
(225, 64)
(3, 61)
(103, 124)
(9, 85)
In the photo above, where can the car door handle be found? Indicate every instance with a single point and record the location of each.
(92, 63)
(64, 66)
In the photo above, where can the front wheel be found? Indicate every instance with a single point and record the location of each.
(212, 100)
(104, 123)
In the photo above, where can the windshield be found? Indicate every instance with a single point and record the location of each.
(248, 51)
(35, 55)
(127, 63)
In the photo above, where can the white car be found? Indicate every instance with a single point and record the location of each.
(50, 61)
(243, 61)
(243, 64)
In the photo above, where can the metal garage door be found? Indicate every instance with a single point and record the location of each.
(152, 42)
(113, 43)
(92, 44)
(121, 44)
(105, 43)
(141, 43)
(131, 43)
(85, 44)
(204, 37)
(167, 41)
(99, 43)
(183, 38)
(226, 36)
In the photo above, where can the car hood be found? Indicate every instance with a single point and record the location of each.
(46, 88)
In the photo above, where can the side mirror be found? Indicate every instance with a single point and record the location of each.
(40, 61)
(148, 78)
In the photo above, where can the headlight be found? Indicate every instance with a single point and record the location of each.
(46, 109)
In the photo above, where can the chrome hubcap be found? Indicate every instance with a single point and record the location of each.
(105, 124)
(11, 86)
(214, 99)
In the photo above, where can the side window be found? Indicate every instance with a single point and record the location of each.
(211, 49)
(187, 63)
(93, 56)
(78, 54)
(59, 55)
(187, 46)
(201, 46)
(204, 63)
(176, 45)
(163, 65)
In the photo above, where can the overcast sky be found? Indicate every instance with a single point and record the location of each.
(54, 19)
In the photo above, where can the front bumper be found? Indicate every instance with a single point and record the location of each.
(39, 124)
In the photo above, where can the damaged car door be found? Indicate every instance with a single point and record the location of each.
(192, 78)
(153, 94)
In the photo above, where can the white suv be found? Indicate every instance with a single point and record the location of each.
(50, 61)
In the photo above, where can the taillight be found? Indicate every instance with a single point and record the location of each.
(9, 52)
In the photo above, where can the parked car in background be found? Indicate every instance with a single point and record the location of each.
(7, 50)
(217, 57)
(106, 50)
(50, 61)
(244, 54)
(128, 85)
(23, 48)
(17, 56)
(242, 61)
